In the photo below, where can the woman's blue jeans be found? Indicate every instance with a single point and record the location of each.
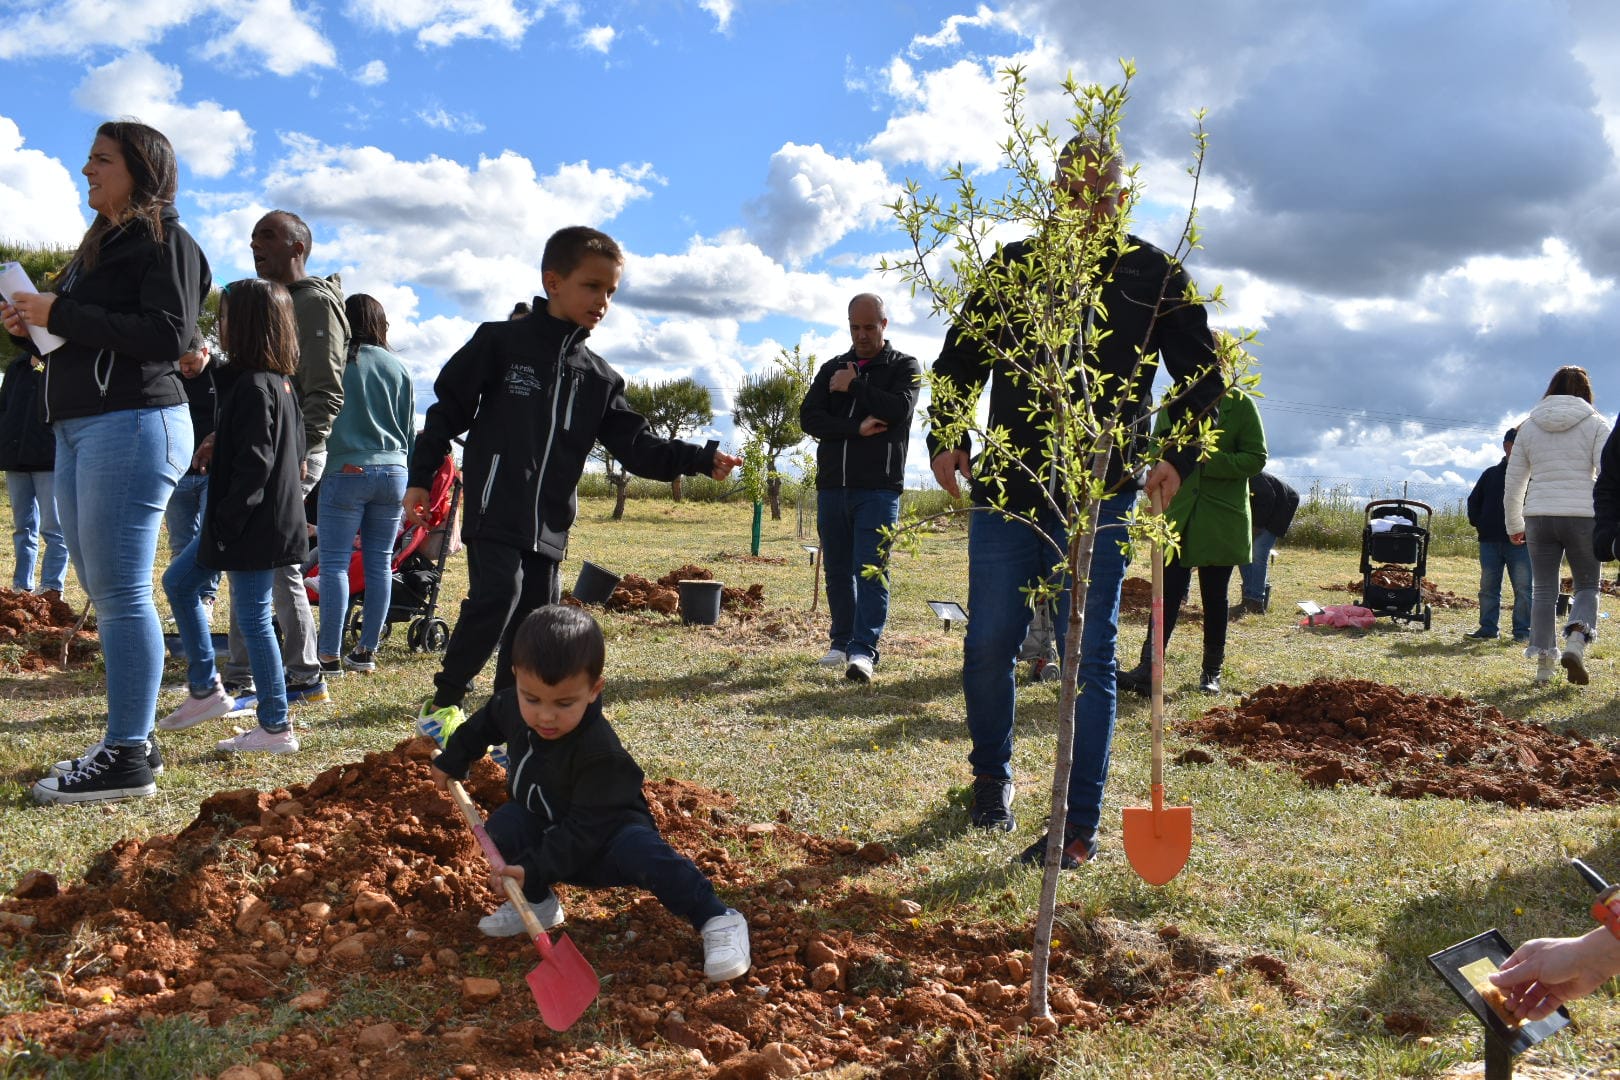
(185, 582)
(114, 475)
(184, 517)
(33, 519)
(368, 502)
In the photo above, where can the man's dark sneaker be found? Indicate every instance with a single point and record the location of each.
(362, 660)
(1077, 849)
(113, 772)
(1138, 680)
(154, 759)
(331, 667)
(1210, 682)
(992, 804)
(310, 693)
(1481, 634)
(1247, 607)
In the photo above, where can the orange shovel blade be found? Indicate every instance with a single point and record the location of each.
(1158, 839)
(563, 983)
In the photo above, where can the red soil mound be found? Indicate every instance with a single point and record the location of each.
(39, 627)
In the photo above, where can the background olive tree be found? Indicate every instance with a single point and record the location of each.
(673, 408)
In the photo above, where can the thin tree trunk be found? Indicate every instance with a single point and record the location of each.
(774, 486)
(675, 488)
(622, 482)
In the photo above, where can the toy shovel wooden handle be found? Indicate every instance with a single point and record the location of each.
(514, 891)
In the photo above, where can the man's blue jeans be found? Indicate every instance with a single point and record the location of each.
(114, 474)
(185, 582)
(848, 520)
(184, 518)
(1004, 557)
(635, 856)
(1253, 573)
(368, 502)
(33, 519)
(1494, 557)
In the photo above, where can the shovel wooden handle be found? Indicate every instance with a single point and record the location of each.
(514, 891)
(1156, 699)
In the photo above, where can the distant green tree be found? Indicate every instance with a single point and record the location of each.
(672, 409)
(618, 476)
(768, 410)
(43, 262)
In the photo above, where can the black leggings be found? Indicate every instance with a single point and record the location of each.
(1213, 582)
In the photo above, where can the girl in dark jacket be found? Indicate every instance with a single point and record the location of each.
(127, 306)
(28, 456)
(254, 517)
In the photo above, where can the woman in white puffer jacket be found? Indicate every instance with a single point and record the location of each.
(1556, 458)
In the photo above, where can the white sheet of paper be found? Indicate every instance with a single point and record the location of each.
(13, 280)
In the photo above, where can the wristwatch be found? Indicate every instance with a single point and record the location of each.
(1606, 909)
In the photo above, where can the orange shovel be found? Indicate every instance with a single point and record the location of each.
(1158, 839)
(563, 983)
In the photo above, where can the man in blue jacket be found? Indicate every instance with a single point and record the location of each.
(1497, 552)
(859, 410)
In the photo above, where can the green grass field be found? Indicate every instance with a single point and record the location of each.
(1349, 888)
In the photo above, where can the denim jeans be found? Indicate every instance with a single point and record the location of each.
(635, 856)
(849, 520)
(114, 473)
(1494, 557)
(1003, 557)
(1253, 573)
(369, 502)
(1550, 540)
(291, 603)
(184, 517)
(33, 519)
(184, 582)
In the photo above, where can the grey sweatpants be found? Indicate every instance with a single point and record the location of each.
(1551, 540)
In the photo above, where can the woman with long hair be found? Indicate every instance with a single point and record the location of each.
(253, 518)
(1555, 457)
(127, 305)
(363, 488)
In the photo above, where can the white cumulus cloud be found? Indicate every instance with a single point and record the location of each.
(38, 181)
(442, 22)
(285, 39)
(207, 136)
(813, 199)
(722, 10)
(599, 38)
(372, 73)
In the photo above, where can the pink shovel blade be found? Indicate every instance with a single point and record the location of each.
(563, 983)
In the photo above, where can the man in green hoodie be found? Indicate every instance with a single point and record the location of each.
(281, 244)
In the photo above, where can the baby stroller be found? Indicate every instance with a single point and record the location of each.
(418, 570)
(1394, 539)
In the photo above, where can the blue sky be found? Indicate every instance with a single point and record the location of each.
(1416, 202)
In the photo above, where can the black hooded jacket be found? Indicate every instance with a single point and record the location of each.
(1606, 501)
(127, 321)
(887, 389)
(1144, 307)
(27, 443)
(533, 400)
(585, 785)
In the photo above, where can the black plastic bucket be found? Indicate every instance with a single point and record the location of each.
(700, 602)
(594, 584)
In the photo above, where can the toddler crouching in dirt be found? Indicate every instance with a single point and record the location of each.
(575, 811)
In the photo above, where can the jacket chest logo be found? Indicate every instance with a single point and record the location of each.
(521, 381)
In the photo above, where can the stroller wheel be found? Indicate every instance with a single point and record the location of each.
(1428, 614)
(435, 635)
(351, 628)
(413, 635)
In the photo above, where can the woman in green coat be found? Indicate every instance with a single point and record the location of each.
(1211, 515)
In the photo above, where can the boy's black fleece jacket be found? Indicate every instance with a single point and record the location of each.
(126, 322)
(1144, 307)
(585, 785)
(1606, 501)
(533, 400)
(886, 388)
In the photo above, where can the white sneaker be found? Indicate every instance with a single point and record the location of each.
(834, 658)
(1574, 658)
(506, 922)
(725, 947)
(860, 669)
(194, 710)
(260, 741)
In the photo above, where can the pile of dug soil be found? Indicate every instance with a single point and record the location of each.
(1353, 731)
(1136, 597)
(1400, 577)
(37, 628)
(636, 593)
(1605, 586)
(366, 886)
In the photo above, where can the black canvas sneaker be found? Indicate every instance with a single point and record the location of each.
(112, 772)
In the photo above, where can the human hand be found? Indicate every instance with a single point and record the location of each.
(415, 503)
(842, 378)
(723, 464)
(12, 319)
(204, 456)
(192, 363)
(508, 871)
(441, 779)
(873, 426)
(947, 465)
(1162, 484)
(1545, 973)
(1517, 538)
(35, 308)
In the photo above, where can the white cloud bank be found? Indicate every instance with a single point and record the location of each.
(207, 136)
(33, 179)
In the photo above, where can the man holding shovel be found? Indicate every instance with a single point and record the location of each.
(1144, 314)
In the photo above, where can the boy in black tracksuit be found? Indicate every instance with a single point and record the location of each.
(575, 811)
(532, 400)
